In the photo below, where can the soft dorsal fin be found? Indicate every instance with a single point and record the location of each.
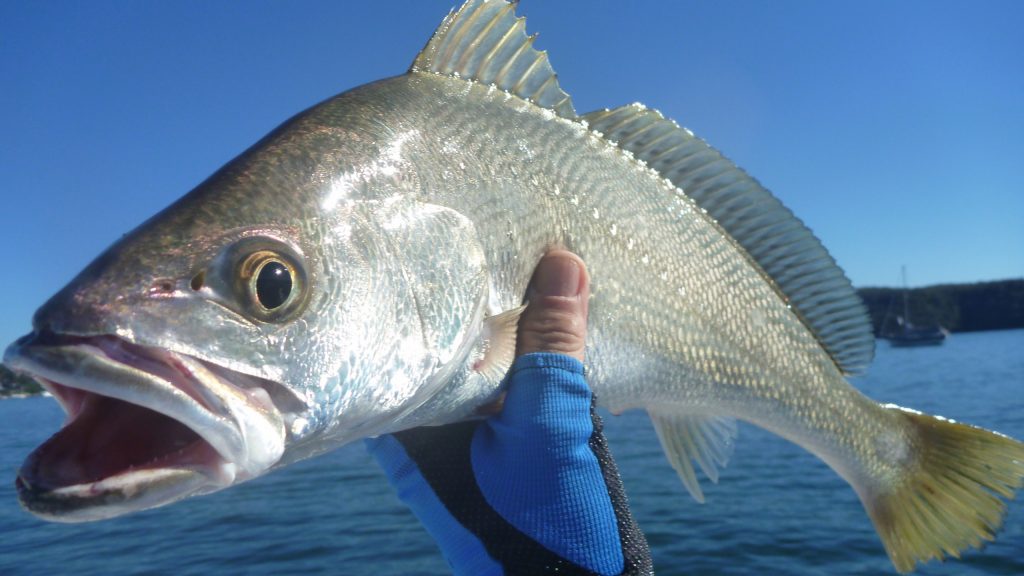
(786, 250)
(485, 42)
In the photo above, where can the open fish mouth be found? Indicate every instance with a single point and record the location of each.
(145, 427)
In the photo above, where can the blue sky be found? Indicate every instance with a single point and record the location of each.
(895, 130)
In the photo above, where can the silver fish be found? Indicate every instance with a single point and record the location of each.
(360, 271)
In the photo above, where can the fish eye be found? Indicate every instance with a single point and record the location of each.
(270, 284)
(273, 284)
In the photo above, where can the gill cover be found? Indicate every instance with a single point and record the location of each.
(439, 260)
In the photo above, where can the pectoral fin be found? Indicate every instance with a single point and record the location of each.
(499, 335)
(686, 438)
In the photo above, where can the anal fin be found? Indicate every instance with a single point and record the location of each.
(689, 438)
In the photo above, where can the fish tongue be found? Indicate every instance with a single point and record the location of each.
(107, 437)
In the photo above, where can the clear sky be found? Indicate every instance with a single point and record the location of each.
(895, 130)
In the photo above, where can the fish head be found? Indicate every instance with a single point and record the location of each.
(298, 299)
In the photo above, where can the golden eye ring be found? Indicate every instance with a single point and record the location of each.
(271, 285)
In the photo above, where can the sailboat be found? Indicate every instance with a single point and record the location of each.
(907, 334)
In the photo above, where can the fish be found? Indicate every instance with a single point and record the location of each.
(360, 270)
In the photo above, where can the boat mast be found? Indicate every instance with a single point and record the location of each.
(906, 305)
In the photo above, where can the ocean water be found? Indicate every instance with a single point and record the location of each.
(776, 510)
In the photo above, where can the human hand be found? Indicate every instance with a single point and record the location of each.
(532, 489)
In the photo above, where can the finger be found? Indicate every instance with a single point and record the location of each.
(556, 318)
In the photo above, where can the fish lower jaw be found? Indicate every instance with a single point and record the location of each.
(129, 491)
(113, 457)
(144, 428)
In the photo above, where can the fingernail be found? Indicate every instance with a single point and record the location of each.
(558, 276)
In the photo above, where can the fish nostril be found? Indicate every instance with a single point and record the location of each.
(161, 287)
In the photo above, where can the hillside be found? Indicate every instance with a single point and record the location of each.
(995, 305)
(11, 383)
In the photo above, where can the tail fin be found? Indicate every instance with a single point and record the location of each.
(949, 500)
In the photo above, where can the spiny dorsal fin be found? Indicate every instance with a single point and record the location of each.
(688, 438)
(485, 42)
(786, 250)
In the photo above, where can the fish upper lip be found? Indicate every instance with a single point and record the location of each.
(175, 385)
(78, 362)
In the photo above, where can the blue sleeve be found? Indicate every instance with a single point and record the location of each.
(535, 466)
(462, 549)
(532, 490)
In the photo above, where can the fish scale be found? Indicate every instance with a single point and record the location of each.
(706, 263)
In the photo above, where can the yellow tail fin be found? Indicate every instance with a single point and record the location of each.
(950, 499)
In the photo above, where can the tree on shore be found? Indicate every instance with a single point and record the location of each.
(12, 383)
(995, 305)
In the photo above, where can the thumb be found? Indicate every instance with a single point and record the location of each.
(556, 318)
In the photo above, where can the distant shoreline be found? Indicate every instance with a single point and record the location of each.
(22, 395)
(973, 307)
(16, 385)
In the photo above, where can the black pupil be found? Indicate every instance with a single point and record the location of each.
(273, 285)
